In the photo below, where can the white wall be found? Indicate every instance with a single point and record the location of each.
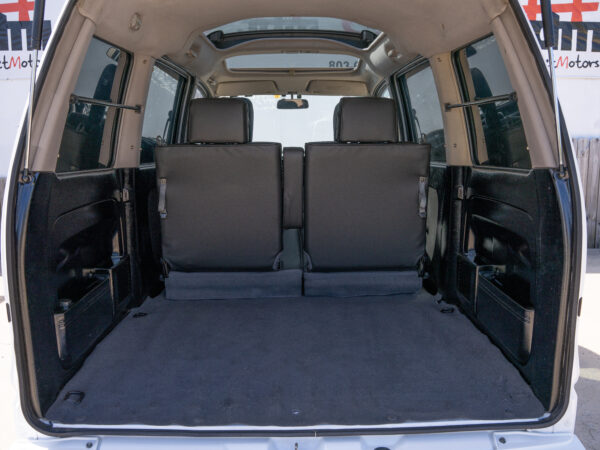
(580, 102)
(14, 95)
(14, 79)
(579, 93)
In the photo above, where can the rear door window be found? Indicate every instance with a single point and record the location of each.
(496, 126)
(162, 108)
(87, 138)
(423, 110)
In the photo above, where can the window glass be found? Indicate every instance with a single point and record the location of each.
(293, 127)
(161, 110)
(198, 92)
(385, 92)
(424, 110)
(497, 127)
(292, 61)
(291, 23)
(87, 138)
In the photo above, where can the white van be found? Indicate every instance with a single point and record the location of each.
(195, 259)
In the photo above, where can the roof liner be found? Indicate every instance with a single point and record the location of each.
(425, 27)
(176, 28)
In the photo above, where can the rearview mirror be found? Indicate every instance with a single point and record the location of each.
(293, 103)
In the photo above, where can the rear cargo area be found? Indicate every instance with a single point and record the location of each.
(293, 287)
(294, 362)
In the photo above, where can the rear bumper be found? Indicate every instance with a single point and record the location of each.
(466, 441)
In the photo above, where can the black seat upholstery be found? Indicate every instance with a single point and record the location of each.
(365, 204)
(220, 199)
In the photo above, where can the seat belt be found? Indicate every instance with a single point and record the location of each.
(423, 196)
(423, 263)
(162, 210)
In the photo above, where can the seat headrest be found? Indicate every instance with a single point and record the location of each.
(365, 119)
(220, 121)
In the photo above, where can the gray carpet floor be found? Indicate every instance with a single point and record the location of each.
(295, 362)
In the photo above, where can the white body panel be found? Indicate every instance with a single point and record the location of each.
(464, 441)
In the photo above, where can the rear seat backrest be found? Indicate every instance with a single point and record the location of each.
(221, 194)
(365, 194)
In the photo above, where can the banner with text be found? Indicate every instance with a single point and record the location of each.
(15, 35)
(578, 52)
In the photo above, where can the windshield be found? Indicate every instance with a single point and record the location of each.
(293, 127)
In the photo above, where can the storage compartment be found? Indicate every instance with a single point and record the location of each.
(490, 294)
(120, 280)
(509, 323)
(469, 274)
(82, 319)
(467, 282)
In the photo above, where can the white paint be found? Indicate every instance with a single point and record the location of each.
(464, 440)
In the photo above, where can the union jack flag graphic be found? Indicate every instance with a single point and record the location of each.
(575, 7)
(20, 6)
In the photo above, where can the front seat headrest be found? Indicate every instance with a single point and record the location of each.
(220, 121)
(365, 120)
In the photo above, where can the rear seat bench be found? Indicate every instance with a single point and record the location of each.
(365, 205)
(351, 213)
(220, 199)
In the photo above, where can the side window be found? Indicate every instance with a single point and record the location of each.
(385, 91)
(496, 127)
(162, 104)
(424, 110)
(87, 138)
(198, 92)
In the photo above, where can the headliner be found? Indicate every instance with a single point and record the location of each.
(175, 28)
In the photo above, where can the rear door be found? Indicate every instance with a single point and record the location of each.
(511, 256)
(76, 266)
